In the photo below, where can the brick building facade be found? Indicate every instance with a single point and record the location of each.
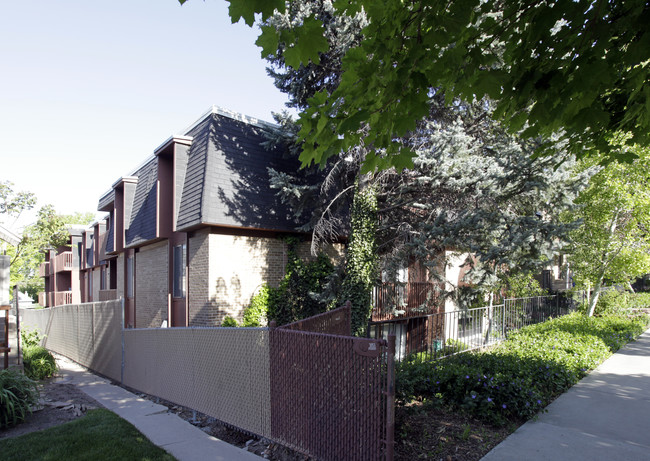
(193, 233)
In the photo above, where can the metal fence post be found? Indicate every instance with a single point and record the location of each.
(18, 354)
(390, 399)
(122, 334)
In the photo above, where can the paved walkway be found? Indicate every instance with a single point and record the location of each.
(606, 416)
(170, 432)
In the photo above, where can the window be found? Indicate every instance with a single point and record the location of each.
(179, 271)
(129, 277)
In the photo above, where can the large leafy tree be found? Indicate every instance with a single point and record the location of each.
(574, 67)
(613, 243)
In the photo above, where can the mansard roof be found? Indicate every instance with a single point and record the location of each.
(227, 181)
(221, 179)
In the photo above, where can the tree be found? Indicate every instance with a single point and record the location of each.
(12, 203)
(613, 243)
(476, 189)
(578, 68)
(473, 187)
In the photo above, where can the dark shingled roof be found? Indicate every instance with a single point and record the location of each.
(142, 225)
(221, 179)
(106, 201)
(227, 181)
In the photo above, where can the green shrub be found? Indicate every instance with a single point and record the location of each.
(612, 302)
(518, 378)
(299, 294)
(38, 362)
(639, 301)
(18, 394)
(30, 338)
(228, 321)
(452, 346)
(255, 313)
(521, 285)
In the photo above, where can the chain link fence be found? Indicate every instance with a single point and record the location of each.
(329, 396)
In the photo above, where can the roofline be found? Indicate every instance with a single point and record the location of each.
(8, 236)
(233, 115)
(187, 140)
(123, 179)
(178, 139)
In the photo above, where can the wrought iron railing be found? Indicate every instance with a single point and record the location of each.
(403, 300)
(437, 335)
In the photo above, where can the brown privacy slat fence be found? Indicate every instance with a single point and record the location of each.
(329, 412)
(330, 392)
(328, 396)
(334, 322)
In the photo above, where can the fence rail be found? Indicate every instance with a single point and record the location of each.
(433, 336)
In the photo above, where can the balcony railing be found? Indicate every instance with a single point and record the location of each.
(59, 298)
(401, 300)
(62, 262)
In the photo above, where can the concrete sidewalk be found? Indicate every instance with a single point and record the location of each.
(175, 435)
(605, 416)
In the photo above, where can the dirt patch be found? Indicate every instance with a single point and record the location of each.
(427, 432)
(249, 442)
(59, 403)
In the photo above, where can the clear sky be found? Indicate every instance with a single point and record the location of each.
(88, 89)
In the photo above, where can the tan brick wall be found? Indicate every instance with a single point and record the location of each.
(335, 252)
(225, 271)
(120, 275)
(151, 285)
(200, 309)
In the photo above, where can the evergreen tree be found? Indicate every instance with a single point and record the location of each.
(477, 190)
(472, 187)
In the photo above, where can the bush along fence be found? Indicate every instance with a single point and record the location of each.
(429, 337)
(329, 396)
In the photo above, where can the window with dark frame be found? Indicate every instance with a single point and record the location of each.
(179, 271)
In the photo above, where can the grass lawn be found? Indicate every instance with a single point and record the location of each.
(99, 435)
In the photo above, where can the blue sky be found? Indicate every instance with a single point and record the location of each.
(88, 89)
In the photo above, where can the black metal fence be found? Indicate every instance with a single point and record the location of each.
(437, 335)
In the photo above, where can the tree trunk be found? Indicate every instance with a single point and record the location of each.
(594, 299)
